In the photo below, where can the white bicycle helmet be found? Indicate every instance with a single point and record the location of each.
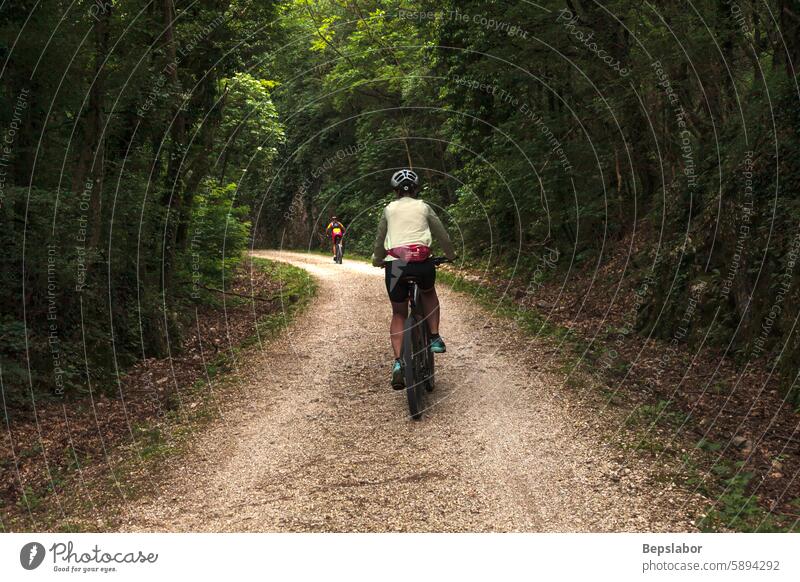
(405, 180)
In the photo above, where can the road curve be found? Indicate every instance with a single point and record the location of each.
(316, 439)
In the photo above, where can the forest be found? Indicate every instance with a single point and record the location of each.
(632, 160)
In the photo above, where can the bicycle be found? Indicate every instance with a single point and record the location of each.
(339, 252)
(417, 356)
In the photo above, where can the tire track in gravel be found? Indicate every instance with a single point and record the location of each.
(316, 439)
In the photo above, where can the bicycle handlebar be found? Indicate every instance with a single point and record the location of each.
(436, 261)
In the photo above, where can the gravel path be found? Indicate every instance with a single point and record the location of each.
(319, 441)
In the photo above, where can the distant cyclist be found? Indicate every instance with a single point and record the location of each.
(336, 231)
(405, 234)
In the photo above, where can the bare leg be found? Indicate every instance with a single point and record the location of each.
(430, 306)
(399, 314)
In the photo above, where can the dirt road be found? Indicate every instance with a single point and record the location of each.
(319, 441)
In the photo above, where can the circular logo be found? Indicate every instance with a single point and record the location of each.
(31, 555)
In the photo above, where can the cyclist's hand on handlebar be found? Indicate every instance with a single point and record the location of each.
(441, 260)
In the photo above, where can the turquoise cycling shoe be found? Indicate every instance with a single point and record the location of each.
(437, 345)
(398, 383)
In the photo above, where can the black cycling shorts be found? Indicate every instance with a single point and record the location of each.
(397, 286)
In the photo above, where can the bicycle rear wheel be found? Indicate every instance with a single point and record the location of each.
(424, 355)
(414, 389)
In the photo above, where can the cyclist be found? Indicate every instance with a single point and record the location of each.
(336, 230)
(402, 245)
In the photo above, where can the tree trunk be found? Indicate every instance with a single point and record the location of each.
(787, 50)
(198, 168)
(172, 193)
(89, 168)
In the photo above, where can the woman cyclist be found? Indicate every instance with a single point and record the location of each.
(405, 233)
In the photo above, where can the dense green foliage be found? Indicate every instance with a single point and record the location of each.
(151, 135)
(572, 126)
(138, 134)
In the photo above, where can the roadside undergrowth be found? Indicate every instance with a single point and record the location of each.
(114, 450)
(656, 427)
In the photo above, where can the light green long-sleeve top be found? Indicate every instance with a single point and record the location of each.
(407, 221)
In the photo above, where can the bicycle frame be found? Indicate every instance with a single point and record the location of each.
(417, 356)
